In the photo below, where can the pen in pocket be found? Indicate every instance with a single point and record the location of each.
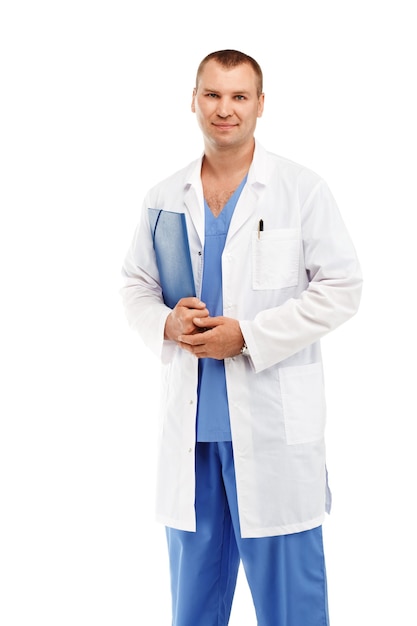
(260, 228)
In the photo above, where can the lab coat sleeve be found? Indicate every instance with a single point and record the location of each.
(141, 292)
(332, 294)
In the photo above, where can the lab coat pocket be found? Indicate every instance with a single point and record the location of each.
(303, 401)
(275, 258)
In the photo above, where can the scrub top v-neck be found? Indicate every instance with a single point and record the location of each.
(213, 423)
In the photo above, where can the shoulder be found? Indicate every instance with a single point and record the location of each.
(285, 176)
(292, 169)
(177, 180)
(273, 168)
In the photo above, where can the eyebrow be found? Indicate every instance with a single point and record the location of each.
(242, 92)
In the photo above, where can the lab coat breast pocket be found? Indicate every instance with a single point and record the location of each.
(275, 258)
(303, 402)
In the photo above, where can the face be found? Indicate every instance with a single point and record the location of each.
(227, 105)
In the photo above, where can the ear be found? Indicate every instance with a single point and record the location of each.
(193, 100)
(261, 102)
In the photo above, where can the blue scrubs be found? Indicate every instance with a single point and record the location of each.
(213, 409)
(286, 574)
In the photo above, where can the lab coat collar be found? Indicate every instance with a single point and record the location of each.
(257, 172)
(194, 197)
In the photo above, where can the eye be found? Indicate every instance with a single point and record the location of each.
(240, 97)
(212, 95)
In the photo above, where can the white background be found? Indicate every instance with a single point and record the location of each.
(95, 108)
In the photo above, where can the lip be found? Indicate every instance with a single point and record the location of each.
(225, 126)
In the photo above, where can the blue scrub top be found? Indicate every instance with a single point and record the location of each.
(213, 423)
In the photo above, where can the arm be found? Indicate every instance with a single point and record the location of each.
(158, 325)
(331, 295)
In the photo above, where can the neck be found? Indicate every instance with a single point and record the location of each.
(227, 163)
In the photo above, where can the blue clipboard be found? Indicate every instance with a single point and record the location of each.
(173, 257)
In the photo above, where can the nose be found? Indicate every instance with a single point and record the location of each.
(224, 108)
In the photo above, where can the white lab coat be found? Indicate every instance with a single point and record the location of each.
(288, 287)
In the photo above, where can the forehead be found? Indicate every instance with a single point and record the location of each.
(219, 78)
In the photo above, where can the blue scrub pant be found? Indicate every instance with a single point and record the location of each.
(286, 574)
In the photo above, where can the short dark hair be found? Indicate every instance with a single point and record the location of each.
(229, 59)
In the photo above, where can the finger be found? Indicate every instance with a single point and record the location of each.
(206, 321)
(191, 303)
(192, 340)
(202, 315)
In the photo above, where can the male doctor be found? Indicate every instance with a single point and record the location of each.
(242, 474)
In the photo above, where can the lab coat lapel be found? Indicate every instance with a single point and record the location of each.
(194, 200)
(249, 198)
(245, 209)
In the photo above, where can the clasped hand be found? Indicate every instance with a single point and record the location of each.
(190, 325)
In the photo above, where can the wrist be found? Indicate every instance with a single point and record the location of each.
(244, 351)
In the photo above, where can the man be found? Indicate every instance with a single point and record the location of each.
(242, 474)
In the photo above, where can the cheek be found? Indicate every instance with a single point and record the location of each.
(203, 113)
(201, 119)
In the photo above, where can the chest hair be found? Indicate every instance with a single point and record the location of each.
(217, 198)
